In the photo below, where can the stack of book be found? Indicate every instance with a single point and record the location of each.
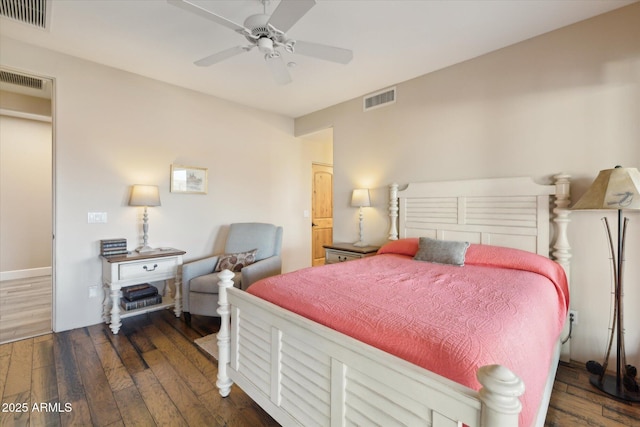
(113, 247)
(139, 296)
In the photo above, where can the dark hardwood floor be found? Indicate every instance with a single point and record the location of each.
(575, 402)
(152, 373)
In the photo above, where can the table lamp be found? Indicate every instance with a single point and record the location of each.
(144, 195)
(360, 199)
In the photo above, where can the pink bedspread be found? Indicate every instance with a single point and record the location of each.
(503, 307)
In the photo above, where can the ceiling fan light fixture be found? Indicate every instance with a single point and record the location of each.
(289, 46)
(272, 55)
(265, 45)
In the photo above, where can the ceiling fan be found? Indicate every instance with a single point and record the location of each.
(268, 34)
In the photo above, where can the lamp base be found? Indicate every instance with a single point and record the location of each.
(609, 386)
(143, 249)
(360, 244)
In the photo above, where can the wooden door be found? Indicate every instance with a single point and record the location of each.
(321, 211)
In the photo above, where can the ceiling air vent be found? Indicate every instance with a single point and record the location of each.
(31, 12)
(21, 80)
(379, 99)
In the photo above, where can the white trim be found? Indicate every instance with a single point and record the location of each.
(25, 274)
(23, 115)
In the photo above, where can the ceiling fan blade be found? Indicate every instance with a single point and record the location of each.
(278, 70)
(321, 51)
(289, 12)
(190, 7)
(221, 56)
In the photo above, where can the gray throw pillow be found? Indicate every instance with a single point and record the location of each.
(441, 251)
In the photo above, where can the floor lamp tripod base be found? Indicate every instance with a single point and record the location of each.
(614, 387)
(623, 385)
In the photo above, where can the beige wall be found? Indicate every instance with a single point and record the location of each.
(567, 101)
(25, 103)
(114, 129)
(25, 194)
(321, 145)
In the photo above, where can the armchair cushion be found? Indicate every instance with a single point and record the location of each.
(259, 270)
(208, 283)
(237, 261)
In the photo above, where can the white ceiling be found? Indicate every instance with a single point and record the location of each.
(392, 41)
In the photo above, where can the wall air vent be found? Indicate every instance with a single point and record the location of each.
(379, 99)
(21, 80)
(30, 12)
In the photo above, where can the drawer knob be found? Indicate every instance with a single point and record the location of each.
(154, 267)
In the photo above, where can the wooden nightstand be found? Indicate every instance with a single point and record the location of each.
(135, 268)
(339, 252)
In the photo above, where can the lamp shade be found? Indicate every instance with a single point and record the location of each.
(360, 198)
(144, 195)
(617, 188)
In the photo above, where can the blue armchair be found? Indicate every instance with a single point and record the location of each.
(200, 281)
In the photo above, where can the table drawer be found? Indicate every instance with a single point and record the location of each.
(135, 270)
(334, 256)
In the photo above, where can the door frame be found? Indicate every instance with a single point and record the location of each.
(322, 164)
(52, 119)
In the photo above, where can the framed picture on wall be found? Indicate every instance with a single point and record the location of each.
(188, 179)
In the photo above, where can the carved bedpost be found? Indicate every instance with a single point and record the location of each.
(224, 337)
(561, 247)
(393, 211)
(500, 394)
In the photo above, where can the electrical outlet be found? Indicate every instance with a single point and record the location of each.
(573, 314)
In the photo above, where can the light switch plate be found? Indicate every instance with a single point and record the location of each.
(97, 217)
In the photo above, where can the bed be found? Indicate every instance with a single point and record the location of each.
(304, 372)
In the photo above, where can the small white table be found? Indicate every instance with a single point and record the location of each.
(136, 268)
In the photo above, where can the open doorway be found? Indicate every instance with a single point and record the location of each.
(26, 205)
(321, 147)
(321, 211)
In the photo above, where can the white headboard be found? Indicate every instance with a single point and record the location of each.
(512, 212)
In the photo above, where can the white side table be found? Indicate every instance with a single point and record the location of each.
(136, 268)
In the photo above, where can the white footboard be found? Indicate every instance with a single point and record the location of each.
(303, 373)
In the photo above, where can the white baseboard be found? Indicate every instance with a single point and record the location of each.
(25, 274)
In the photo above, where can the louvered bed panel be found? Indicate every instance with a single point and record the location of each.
(379, 408)
(500, 216)
(305, 381)
(254, 344)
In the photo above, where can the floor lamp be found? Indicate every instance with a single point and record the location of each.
(144, 195)
(619, 189)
